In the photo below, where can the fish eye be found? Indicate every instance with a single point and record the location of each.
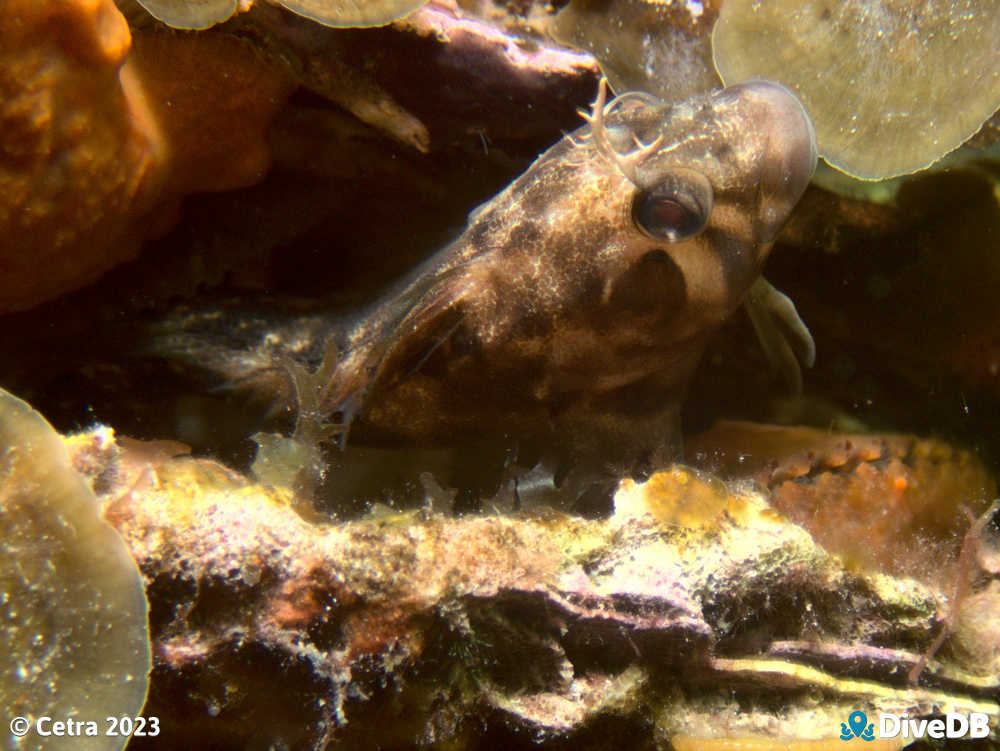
(675, 208)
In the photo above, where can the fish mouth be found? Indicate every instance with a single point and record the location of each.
(788, 154)
(788, 117)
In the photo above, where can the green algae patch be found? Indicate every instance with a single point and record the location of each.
(190, 14)
(202, 14)
(352, 13)
(73, 628)
(891, 87)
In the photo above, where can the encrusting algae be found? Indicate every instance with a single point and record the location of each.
(884, 502)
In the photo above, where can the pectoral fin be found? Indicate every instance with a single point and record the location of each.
(783, 336)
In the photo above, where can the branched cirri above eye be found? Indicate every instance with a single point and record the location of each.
(675, 208)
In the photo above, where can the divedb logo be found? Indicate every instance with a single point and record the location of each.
(951, 725)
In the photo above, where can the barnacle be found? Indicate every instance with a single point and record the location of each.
(73, 628)
(880, 81)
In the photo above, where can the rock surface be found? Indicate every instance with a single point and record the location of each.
(692, 603)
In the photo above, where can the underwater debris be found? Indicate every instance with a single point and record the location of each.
(891, 87)
(402, 629)
(73, 630)
(202, 14)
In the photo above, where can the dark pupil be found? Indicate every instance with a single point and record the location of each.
(666, 213)
(664, 216)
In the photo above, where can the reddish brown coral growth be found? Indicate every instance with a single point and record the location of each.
(214, 96)
(79, 160)
(886, 501)
(97, 143)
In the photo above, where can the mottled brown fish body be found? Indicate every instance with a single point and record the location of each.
(576, 305)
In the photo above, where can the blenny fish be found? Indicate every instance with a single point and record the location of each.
(574, 308)
(570, 315)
